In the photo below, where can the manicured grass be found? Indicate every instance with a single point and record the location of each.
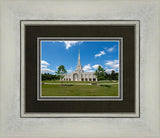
(79, 90)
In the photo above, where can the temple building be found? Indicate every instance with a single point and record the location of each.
(79, 74)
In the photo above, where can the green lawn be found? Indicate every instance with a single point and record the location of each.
(79, 90)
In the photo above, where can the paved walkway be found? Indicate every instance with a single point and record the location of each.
(80, 83)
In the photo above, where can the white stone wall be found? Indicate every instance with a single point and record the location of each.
(83, 76)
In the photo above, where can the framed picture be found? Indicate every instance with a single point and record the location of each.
(80, 68)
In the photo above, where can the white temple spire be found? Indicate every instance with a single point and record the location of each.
(79, 60)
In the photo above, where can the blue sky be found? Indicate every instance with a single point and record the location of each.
(93, 54)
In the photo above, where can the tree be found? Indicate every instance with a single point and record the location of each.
(47, 76)
(100, 73)
(61, 71)
(108, 76)
(113, 75)
(116, 76)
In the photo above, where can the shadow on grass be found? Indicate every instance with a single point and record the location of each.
(67, 85)
(105, 86)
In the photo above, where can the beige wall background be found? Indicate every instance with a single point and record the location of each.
(12, 11)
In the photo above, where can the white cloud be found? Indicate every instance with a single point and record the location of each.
(112, 63)
(69, 44)
(96, 66)
(116, 66)
(46, 70)
(100, 54)
(110, 49)
(43, 62)
(109, 70)
(87, 68)
(91, 71)
(44, 67)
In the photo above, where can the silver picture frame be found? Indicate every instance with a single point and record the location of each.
(12, 125)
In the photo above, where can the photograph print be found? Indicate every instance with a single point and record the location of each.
(85, 68)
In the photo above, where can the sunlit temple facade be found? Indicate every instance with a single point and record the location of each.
(79, 74)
